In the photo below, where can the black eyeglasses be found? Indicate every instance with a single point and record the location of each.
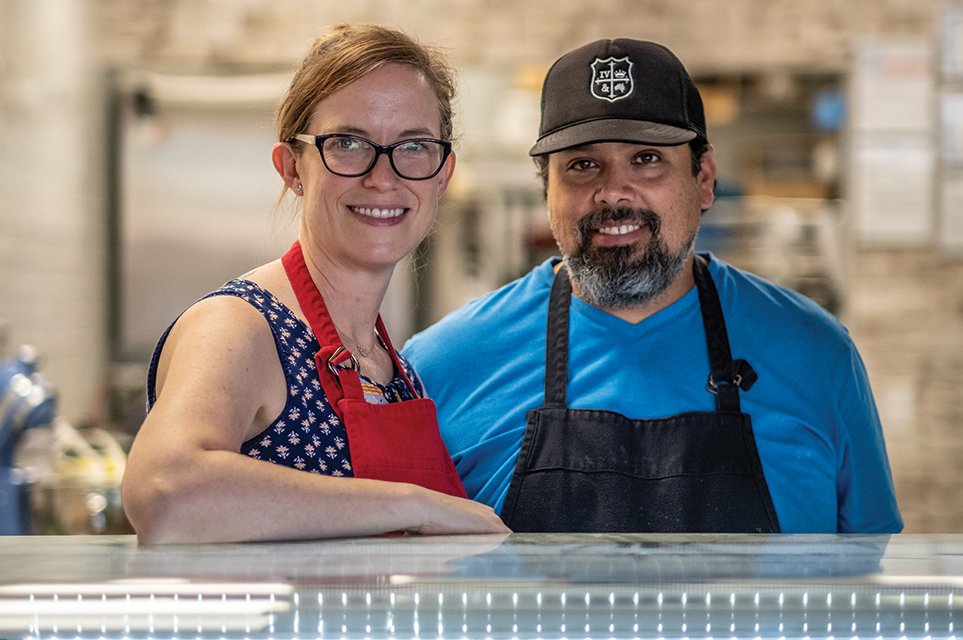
(353, 156)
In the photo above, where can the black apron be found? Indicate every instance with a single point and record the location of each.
(598, 471)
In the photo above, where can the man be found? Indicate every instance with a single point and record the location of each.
(635, 385)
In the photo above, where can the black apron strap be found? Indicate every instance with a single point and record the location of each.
(726, 377)
(556, 343)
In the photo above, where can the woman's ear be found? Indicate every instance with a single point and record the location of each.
(286, 164)
(444, 176)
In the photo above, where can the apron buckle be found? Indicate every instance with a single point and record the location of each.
(744, 377)
(713, 387)
(351, 363)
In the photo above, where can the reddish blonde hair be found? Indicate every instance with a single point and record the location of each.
(349, 52)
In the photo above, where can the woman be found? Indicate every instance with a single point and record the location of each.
(291, 363)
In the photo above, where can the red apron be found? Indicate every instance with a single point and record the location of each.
(398, 441)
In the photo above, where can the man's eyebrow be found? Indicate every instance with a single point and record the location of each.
(579, 147)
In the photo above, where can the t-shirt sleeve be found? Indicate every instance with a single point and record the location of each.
(867, 499)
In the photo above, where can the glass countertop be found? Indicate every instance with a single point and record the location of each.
(516, 586)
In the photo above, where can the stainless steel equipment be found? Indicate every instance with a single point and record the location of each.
(27, 401)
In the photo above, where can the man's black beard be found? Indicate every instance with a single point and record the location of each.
(627, 275)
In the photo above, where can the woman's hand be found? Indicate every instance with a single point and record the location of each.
(443, 514)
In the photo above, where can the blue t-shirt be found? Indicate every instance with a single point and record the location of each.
(816, 426)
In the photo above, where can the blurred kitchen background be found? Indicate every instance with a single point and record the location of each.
(135, 176)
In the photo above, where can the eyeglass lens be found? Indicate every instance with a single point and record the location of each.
(411, 159)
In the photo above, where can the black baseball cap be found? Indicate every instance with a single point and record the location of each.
(619, 90)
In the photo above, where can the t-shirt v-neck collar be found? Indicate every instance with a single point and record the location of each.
(609, 322)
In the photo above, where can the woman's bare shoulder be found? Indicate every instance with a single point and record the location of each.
(219, 340)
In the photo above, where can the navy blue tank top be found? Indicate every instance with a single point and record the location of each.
(307, 434)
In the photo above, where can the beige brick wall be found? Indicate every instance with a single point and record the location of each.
(711, 35)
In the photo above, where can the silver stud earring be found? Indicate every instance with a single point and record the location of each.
(300, 188)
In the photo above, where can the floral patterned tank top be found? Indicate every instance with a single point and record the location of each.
(307, 434)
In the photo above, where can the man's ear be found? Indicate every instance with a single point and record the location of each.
(707, 179)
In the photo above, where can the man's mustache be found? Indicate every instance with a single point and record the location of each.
(619, 215)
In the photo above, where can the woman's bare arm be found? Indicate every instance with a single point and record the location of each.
(219, 383)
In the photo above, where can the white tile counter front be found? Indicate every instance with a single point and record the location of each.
(519, 586)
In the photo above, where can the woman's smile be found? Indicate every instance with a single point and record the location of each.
(380, 213)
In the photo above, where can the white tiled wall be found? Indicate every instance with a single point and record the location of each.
(51, 202)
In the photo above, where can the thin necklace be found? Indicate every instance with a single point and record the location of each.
(361, 350)
(364, 352)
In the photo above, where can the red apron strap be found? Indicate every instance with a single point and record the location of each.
(337, 381)
(383, 334)
(312, 304)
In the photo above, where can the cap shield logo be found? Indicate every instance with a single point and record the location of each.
(612, 78)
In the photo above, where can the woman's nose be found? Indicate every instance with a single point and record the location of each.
(382, 174)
